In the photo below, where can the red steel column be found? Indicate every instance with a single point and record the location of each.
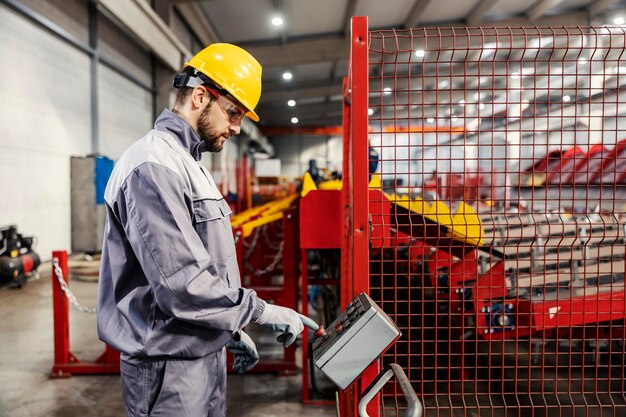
(359, 61)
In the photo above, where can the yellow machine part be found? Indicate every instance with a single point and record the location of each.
(267, 209)
(466, 226)
(248, 228)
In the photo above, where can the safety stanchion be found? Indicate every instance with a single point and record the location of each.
(66, 363)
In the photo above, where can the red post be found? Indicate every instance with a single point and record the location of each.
(61, 314)
(65, 363)
(355, 241)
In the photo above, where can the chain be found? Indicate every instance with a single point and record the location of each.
(252, 246)
(271, 267)
(59, 274)
(267, 239)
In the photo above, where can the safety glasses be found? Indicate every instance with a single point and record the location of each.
(234, 113)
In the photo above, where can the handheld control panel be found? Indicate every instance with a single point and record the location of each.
(353, 341)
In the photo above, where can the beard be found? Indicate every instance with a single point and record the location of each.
(209, 135)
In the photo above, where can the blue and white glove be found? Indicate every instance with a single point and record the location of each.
(244, 349)
(286, 321)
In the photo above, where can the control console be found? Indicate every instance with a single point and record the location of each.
(353, 341)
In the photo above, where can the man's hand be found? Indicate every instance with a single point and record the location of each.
(244, 349)
(286, 321)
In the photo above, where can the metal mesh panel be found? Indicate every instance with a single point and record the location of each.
(499, 151)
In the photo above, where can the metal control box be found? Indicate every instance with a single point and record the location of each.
(353, 341)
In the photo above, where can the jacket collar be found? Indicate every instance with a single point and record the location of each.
(170, 122)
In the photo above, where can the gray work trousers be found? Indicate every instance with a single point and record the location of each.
(174, 388)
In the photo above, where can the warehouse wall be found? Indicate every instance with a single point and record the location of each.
(45, 118)
(125, 110)
(46, 114)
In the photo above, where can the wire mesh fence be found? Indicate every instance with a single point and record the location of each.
(501, 153)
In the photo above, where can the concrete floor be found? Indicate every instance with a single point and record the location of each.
(26, 347)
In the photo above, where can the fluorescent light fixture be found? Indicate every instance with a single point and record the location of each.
(582, 60)
(277, 21)
(619, 20)
(287, 75)
(420, 53)
(291, 103)
(370, 112)
(294, 120)
(430, 120)
(387, 91)
(566, 98)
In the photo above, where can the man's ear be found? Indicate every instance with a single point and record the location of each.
(199, 98)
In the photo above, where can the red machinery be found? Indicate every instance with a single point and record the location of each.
(613, 167)
(585, 167)
(567, 164)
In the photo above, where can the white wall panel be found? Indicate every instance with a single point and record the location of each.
(124, 110)
(44, 119)
(119, 48)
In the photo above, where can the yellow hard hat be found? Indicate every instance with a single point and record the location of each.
(234, 70)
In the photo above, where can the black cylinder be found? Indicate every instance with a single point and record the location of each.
(12, 268)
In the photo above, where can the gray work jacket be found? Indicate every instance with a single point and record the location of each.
(169, 282)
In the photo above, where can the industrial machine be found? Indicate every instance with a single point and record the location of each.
(17, 256)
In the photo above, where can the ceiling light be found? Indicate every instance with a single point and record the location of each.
(291, 103)
(443, 84)
(294, 120)
(619, 20)
(515, 74)
(420, 53)
(454, 119)
(277, 21)
(462, 102)
(566, 98)
(430, 120)
(481, 106)
(582, 60)
(370, 112)
(287, 75)
(387, 91)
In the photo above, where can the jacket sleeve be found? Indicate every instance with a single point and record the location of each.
(156, 208)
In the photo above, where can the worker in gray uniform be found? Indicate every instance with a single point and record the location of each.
(170, 297)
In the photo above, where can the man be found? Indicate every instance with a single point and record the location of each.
(170, 297)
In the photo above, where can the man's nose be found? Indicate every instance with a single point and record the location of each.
(235, 127)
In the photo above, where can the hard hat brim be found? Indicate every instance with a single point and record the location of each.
(253, 116)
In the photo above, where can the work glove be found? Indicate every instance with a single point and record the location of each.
(244, 349)
(286, 321)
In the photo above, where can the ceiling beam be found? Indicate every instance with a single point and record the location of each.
(541, 8)
(301, 52)
(198, 21)
(301, 93)
(333, 48)
(148, 26)
(599, 6)
(479, 12)
(301, 110)
(416, 13)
